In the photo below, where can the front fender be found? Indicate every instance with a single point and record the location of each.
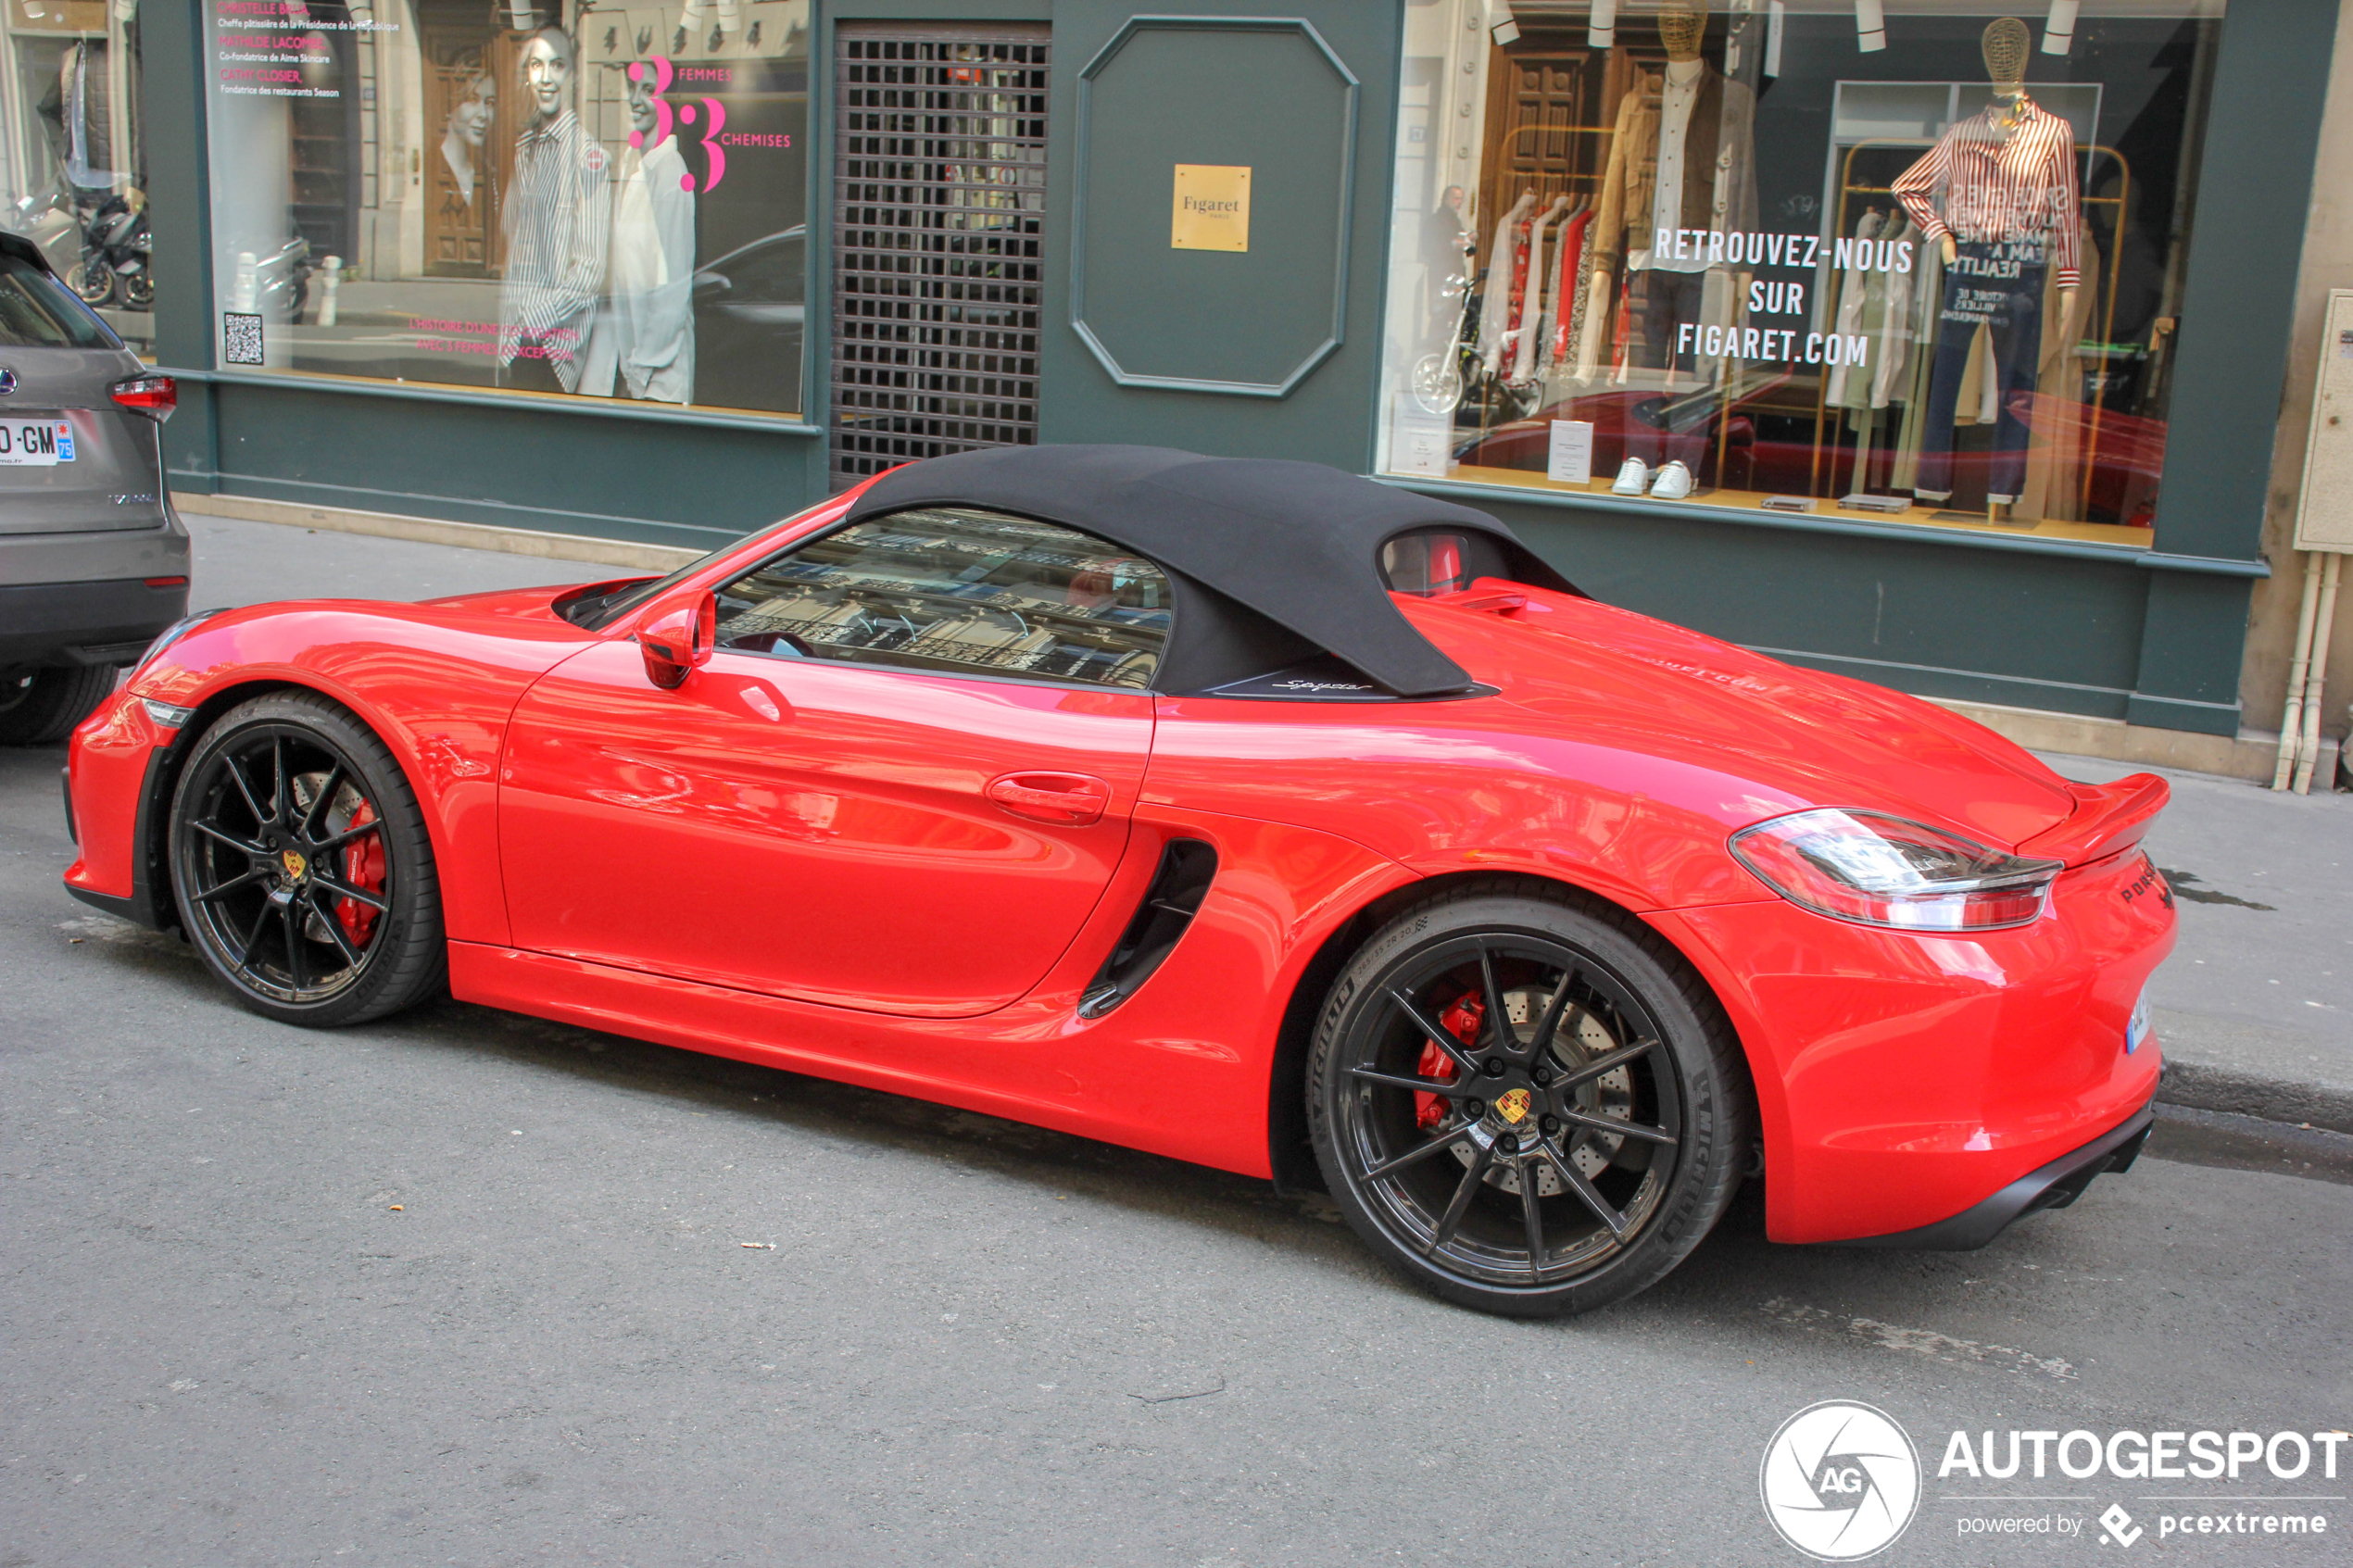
(435, 684)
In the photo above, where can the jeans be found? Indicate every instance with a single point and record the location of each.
(1663, 301)
(1998, 284)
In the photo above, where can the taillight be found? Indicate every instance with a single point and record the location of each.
(1877, 870)
(150, 394)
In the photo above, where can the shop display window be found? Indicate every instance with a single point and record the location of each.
(1915, 265)
(590, 201)
(73, 177)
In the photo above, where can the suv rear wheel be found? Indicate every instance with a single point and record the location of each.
(40, 705)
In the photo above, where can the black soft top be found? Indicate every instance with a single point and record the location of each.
(1296, 543)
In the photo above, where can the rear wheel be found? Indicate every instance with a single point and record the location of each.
(1526, 1102)
(41, 705)
(302, 867)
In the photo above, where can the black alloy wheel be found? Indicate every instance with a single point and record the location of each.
(301, 865)
(1525, 1101)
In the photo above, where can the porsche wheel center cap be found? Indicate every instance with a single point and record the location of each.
(1512, 1105)
(294, 863)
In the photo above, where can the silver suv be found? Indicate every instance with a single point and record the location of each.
(93, 563)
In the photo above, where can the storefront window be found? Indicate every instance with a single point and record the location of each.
(593, 202)
(1920, 265)
(71, 176)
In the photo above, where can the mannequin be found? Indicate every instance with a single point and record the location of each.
(1682, 164)
(1999, 194)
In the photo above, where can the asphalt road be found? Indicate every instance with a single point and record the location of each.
(466, 1288)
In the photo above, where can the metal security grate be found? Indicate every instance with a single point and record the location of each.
(939, 201)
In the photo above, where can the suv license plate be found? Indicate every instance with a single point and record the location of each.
(36, 444)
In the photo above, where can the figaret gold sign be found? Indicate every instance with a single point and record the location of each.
(1211, 207)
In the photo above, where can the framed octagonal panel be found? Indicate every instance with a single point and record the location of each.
(1176, 110)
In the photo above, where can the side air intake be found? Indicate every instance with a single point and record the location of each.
(1187, 867)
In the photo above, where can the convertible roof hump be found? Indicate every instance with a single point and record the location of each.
(1298, 542)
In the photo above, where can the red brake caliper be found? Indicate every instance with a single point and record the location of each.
(1462, 1021)
(364, 866)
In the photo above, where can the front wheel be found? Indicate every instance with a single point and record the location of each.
(1526, 1102)
(302, 867)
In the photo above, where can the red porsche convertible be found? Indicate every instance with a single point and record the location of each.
(1243, 811)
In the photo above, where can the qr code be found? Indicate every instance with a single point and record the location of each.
(241, 335)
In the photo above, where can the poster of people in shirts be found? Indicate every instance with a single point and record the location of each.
(575, 200)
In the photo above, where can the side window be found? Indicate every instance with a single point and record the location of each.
(1424, 564)
(957, 589)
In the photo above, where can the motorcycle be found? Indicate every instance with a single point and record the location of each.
(96, 241)
(116, 253)
(282, 280)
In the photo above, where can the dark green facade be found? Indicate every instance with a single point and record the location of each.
(1282, 356)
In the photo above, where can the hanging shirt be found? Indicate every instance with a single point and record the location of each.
(1675, 102)
(1536, 302)
(1570, 290)
(1496, 303)
(1997, 183)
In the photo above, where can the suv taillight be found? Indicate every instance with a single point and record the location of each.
(150, 394)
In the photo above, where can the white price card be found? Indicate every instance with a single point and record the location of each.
(1419, 441)
(1570, 459)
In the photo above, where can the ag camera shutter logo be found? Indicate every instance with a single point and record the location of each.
(1840, 1480)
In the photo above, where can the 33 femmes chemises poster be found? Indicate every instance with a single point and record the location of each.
(594, 201)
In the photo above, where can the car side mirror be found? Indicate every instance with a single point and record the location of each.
(677, 640)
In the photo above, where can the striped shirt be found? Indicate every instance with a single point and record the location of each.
(558, 211)
(1994, 187)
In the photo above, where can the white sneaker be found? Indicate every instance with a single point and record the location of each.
(1674, 482)
(1632, 478)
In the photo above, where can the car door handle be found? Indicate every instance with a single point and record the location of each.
(1063, 799)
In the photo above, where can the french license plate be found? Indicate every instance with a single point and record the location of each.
(2136, 1028)
(35, 444)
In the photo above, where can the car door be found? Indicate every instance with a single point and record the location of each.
(900, 783)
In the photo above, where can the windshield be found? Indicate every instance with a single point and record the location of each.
(37, 312)
(594, 612)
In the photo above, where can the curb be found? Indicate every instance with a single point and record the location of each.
(2221, 1138)
(2291, 1105)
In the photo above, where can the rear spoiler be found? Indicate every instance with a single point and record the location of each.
(2108, 820)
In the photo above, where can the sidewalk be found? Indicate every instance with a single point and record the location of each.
(2255, 1009)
